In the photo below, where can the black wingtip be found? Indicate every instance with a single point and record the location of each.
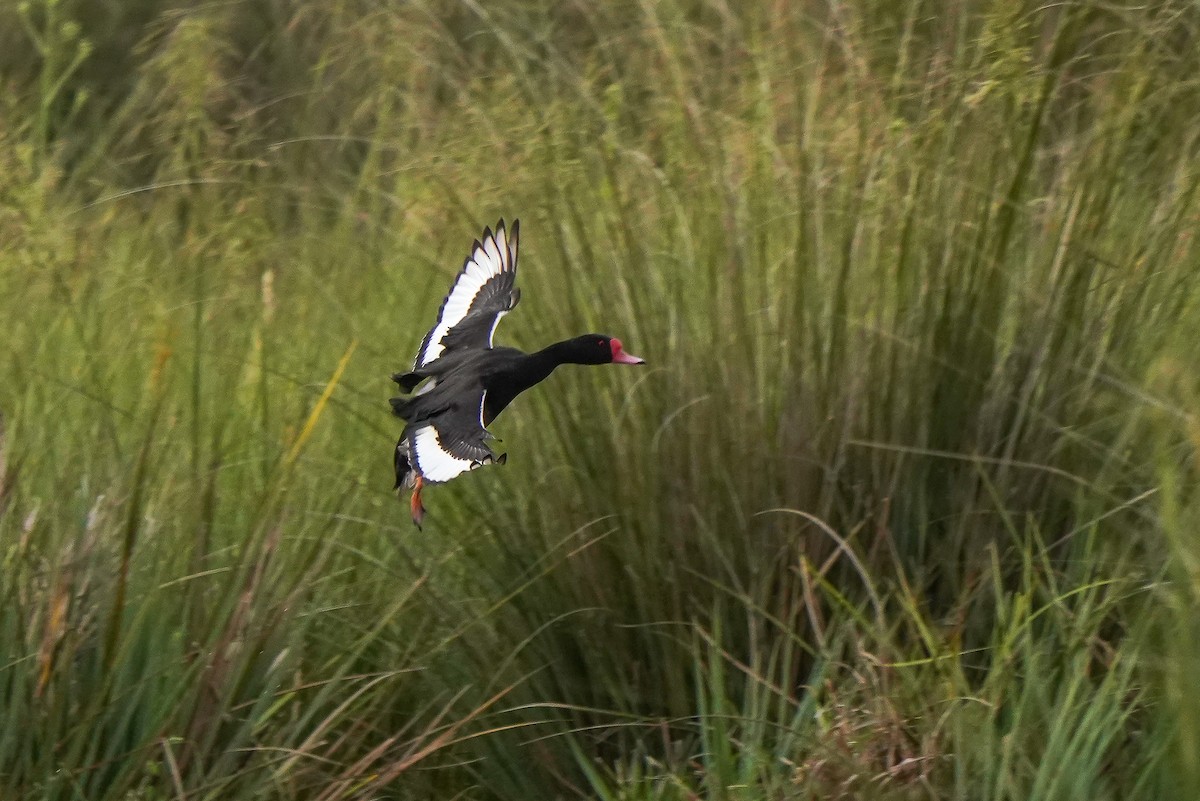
(502, 226)
(512, 236)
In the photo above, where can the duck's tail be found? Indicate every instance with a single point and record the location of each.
(405, 475)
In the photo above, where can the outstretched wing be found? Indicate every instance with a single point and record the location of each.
(483, 292)
(451, 443)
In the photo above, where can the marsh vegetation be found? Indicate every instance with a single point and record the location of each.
(903, 507)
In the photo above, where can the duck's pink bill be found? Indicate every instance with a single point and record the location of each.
(621, 357)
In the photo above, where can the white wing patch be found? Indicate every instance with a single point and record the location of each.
(496, 322)
(489, 258)
(437, 464)
(433, 461)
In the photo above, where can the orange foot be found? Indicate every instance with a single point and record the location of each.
(418, 509)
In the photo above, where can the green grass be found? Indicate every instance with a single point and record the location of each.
(902, 507)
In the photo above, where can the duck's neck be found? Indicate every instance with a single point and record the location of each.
(540, 364)
(565, 352)
(531, 369)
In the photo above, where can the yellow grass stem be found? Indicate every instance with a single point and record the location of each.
(315, 414)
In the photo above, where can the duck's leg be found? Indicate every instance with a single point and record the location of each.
(418, 509)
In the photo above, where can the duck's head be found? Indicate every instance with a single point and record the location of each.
(599, 349)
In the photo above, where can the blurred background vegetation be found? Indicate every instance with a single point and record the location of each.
(904, 507)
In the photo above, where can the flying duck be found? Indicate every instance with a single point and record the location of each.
(464, 382)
